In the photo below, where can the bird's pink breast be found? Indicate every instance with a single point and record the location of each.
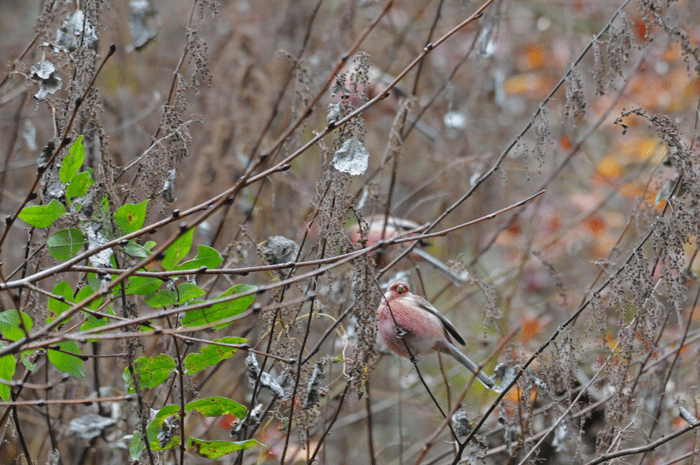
(421, 330)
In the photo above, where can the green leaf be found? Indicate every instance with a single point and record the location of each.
(156, 426)
(56, 307)
(79, 186)
(130, 217)
(162, 298)
(25, 359)
(86, 292)
(178, 250)
(222, 310)
(7, 371)
(93, 322)
(206, 256)
(136, 445)
(105, 209)
(72, 162)
(174, 442)
(137, 250)
(66, 243)
(136, 442)
(94, 282)
(152, 371)
(189, 291)
(211, 354)
(42, 216)
(11, 327)
(67, 363)
(216, 449)
(142, 285)
(217, 406)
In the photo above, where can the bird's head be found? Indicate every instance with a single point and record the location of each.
(398, 289)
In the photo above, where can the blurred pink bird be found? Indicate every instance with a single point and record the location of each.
(420, 327)
(394, 227)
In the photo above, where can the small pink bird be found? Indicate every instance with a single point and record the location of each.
(420, 327)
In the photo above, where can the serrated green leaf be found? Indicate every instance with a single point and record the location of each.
(216, 449)
(56, 307)
(130, 217)
(142, 285)
(42, 216)
(206, 256)
(79, 186)
(72, 161)
(222, 310)
(66, 243)
(67, 363)
(178, 250)
(217, 406)
(10, 324)
(211, 354)
(152, 371)
(8, 364)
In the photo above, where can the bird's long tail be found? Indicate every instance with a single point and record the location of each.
(438, 265)
(471, 366)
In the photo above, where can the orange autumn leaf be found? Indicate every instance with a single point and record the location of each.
(525, 83)
(673, 52)
(530, 327)
(640, 28)
(609, 168)
(534, 56)
(682, 90)
(565, 142)
(227, 421)
(632, 191)
(596, 224)
(650, 148)
(515, 394)
(679, 423)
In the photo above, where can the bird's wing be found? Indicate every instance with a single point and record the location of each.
(449, 327)
(438, 265)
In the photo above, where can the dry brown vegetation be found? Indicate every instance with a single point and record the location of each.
(230, 119)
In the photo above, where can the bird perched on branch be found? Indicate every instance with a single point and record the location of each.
(410, 326)
(394, 227)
